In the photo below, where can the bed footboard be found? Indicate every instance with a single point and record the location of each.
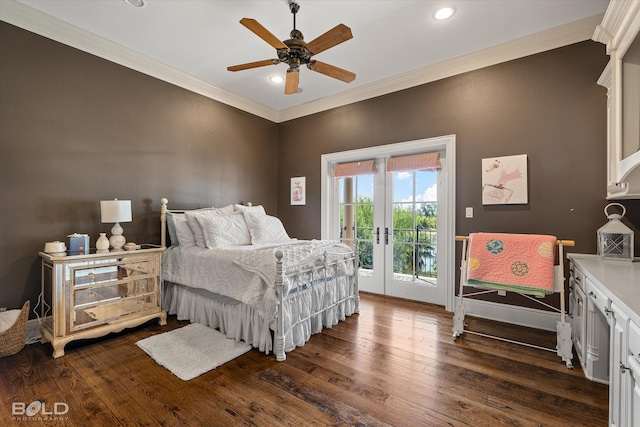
(278, 342)
(316, 275)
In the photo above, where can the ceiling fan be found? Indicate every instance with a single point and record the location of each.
(295, 51)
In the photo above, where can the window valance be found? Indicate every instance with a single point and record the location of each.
(414, 162)
(365, 167)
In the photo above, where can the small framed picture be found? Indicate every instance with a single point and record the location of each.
(298, 191)
(504, 180)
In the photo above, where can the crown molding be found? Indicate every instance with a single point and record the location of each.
(618, 18)
(564, 35)
(32, 20)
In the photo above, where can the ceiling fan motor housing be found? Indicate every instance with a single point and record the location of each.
(297, 53)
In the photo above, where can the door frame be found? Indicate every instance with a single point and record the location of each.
(445, 143)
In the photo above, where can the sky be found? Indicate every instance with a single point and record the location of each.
(426, 186)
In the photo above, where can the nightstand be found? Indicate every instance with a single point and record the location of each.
(91, 295)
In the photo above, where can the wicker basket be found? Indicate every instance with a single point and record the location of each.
(12, 340)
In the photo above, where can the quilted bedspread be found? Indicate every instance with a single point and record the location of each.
(515, 262)
(244, 273)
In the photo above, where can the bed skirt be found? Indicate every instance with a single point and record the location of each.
(308, 310)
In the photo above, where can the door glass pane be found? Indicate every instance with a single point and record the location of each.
(414, 226)
(356, 217)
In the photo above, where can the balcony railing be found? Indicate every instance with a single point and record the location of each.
(414, 251)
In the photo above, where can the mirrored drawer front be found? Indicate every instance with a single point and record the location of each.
(110, 273)
(106, 312)
(117, 290)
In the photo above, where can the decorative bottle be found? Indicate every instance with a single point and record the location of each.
(102, 244)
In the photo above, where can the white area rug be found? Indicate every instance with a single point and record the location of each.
(192, 350)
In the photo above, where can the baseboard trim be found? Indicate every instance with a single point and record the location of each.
(521, 316)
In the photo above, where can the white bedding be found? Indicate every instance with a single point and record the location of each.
(246, 273)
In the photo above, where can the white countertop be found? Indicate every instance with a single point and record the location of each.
(618, 280)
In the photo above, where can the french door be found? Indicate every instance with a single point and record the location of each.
(402, 220)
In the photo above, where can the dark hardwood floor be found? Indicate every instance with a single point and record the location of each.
(394, 364)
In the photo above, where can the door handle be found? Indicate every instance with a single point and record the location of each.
(386, 235)
(377, 235)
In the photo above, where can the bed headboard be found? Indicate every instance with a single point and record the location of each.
(163, 222)
(163, 218)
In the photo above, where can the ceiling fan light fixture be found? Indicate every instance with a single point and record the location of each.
(296, 52)
(444, 13)
(135, 3)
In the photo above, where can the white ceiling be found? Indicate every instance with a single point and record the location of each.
(396, 44)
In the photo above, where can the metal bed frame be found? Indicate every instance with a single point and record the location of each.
(312, 276)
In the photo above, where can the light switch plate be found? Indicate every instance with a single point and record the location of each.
(468, 212)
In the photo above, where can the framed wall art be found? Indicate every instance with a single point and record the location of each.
(504, 180)
(298, 191)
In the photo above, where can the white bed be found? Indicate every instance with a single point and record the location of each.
(242, 274)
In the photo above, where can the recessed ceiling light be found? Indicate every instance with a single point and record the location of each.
(444, 13)
(276, 79)
(134, 3)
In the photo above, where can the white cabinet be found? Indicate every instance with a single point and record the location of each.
(577, 311)
(619, 31)
(597, 333)
(579, 325)
(612, 291)
(590, 325)
(624, 392)
(634, 393)
(632, 390)
(619, 378)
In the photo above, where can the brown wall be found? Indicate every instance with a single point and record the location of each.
(547, 106)
(76, 129)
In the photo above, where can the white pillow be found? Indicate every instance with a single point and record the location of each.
(224, 211)
(224, 230)
(171, 227)
(195, 227)
(264, 228)
(243, 208)
(193, 221)
(184, 235)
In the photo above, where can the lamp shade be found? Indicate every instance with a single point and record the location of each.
(115, 211)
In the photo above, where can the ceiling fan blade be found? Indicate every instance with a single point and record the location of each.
(332, 71)
(291, 84)
(256, 64)
(340, 33)
(263, 33)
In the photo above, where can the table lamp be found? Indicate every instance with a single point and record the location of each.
(116, 211)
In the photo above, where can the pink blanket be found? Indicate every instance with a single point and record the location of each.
(515, 262)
